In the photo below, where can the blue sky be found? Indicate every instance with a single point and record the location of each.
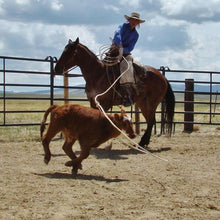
(180, 34)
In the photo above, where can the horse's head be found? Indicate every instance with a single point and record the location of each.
(67, 58)
(125, 122)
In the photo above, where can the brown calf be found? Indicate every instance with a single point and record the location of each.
(87, 125)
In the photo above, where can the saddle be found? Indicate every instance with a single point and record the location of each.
(130, 90)
(140, 73)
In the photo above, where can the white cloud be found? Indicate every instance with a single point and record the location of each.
(112, 8)
(173, 7)
(202, 51)
(194, 11)
(22, 2)
(205, 44)
(134, 4)
(56, 5)
(40, 40)
(2, 11)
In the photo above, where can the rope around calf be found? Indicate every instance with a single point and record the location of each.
(135, 146)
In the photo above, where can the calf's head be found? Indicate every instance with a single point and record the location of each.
(125, 123)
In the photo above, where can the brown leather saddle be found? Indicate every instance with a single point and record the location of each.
(140, 74)
(113, 72)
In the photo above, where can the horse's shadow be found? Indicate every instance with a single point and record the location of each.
(79, 176)
(103, 153)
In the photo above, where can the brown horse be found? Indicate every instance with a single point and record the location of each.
(155, 87)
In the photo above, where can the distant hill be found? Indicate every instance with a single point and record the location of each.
(75, 91)
(81, 90)
(197, 87)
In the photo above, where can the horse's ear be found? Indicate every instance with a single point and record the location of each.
(70, 41)
(77, 40)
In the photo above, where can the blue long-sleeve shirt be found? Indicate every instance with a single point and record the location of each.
(126, 37)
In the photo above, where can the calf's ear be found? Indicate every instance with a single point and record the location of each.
(122, 112)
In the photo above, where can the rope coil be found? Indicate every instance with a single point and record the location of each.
(105, 55)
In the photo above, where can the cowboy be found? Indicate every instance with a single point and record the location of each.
(125, 38)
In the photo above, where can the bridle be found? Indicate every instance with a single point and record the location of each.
(72, 68)
(69, 70)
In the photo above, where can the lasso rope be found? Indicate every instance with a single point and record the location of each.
(104, 53)
(136, 146)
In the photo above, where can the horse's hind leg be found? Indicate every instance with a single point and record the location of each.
(148, 112)
(145, 140)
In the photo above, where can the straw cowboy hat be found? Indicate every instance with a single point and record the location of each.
(135, 16)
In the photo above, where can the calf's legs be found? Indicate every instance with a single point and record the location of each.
(51, 132)
(76, 163)
(47, 152)
(67, 147)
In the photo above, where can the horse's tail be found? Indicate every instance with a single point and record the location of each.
(47, 112)
(169, 108)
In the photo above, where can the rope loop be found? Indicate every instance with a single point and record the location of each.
(109, 55)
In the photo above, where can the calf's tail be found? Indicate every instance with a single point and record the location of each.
(47, 112)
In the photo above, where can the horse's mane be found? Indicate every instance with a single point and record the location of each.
(93, 54)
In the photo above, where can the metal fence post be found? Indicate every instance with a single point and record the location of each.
(189, 105)
(51, 79)
(4, 94)
(210, 99)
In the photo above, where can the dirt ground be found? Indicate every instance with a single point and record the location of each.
(114, 184)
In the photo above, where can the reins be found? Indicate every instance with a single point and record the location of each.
(72, 68)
